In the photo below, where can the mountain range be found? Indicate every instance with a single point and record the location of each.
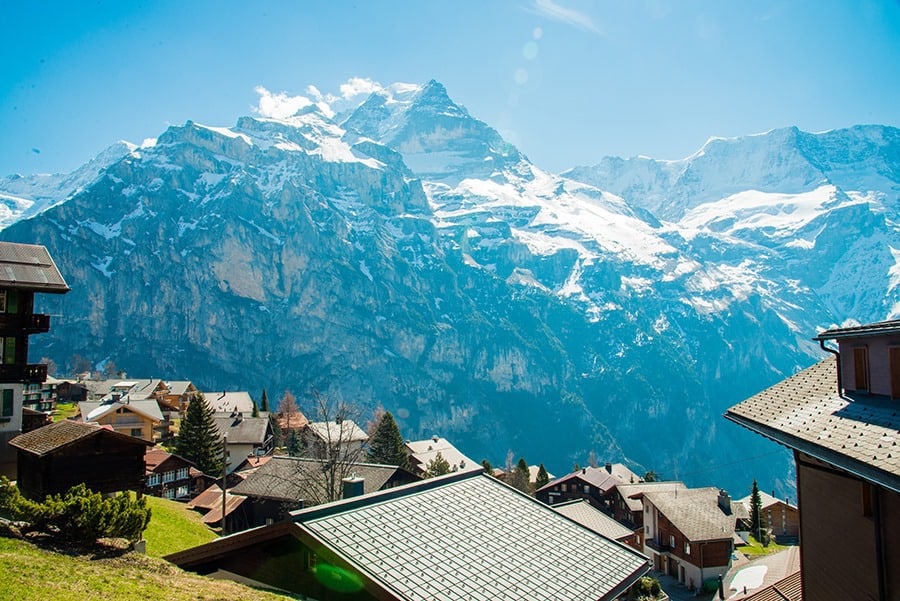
(401, 253)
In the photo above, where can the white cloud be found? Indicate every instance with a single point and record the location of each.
(280, 105)
(569, 16)
(356, 86)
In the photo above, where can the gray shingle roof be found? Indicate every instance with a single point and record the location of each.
(695, 512)
(855, 432)
(469, 536)
(299, 479)
(29, 266)
(243, 430)
(590, 517)
(54, 437)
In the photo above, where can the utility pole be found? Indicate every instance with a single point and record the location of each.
(224, 477)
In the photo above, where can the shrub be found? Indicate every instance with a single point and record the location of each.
(80, 515)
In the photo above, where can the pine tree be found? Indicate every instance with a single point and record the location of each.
(264, 403)
(438, 466)
(295, 446)
(255, 412)
(542, 479)
(198, 437)
(488, 468)
(521, 476)
(386, 444)
(758, 525)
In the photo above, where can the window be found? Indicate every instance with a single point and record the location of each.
(170, 494)
(153, 480)
(182, 474)
(9, 301)
(182, 491)
(137, 432)
(6, 403)
(687, 548)
(8, 350)
(169, 476)
(861, 368)
(587, 489)
(672, 541)
(563, 486)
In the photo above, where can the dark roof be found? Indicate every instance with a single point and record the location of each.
(858, 433)
(155, 457)
(695, 512)
(54, 437)
(208, 499)
(460, 536)
(599, 477)
(869, 329)
(29, 266)
(242, 430)
(299, 479)
(590, 517)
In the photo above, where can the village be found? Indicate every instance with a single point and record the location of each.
(325, 501)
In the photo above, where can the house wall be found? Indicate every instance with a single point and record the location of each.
(573, 489)
(290, 565)
(703, 560)
(879, 362)
(10, 427)
(129, 422)
(783, 520)
(837, 534)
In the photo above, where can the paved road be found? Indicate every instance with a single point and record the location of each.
(679, 592)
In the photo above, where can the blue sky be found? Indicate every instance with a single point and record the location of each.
(567, 81)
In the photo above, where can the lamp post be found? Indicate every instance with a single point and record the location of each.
(224, 477)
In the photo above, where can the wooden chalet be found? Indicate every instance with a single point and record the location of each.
(54, 458)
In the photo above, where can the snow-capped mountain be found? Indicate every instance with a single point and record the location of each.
(22, 197)
(403, 254)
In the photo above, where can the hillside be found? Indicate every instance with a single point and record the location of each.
(30, 573)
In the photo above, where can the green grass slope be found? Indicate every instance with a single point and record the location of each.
(173, 527)
(29, 573)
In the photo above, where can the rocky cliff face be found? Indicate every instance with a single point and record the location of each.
(403, 254)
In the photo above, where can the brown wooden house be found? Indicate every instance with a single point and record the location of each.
(593, 484)
(172, 476)
(24, 270)
(54, 458)
(841, 417)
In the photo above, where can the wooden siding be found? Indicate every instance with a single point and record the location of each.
(838, 538)
(103, 463)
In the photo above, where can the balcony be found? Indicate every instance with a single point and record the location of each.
(31, 323)
(23, 373)
(658, 546)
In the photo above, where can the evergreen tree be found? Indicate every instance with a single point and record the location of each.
(438, 466)
(264, 403)
(542, 479)
(386, 444)
(650, 476)
(521, 477)
(758, 525)
(198, 437)
(255, 412)
(295, 446)
(488, 468)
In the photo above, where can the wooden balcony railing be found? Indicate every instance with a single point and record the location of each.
(34, 323)
(23, 373)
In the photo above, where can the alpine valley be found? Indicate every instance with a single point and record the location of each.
(402, 253)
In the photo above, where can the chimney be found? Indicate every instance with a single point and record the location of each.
(354, 486)
(724, 501)
(609, 468)
(434, 438)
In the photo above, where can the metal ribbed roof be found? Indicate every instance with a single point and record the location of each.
(30, 267)
(469, 536)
